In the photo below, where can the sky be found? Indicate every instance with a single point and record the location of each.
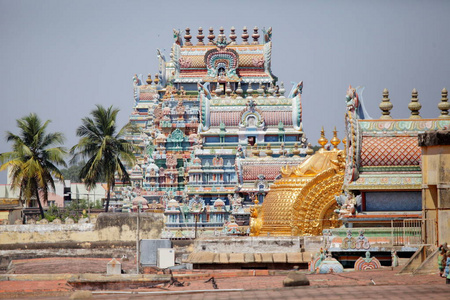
(60, 58)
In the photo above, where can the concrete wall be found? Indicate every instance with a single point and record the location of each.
(110, 227)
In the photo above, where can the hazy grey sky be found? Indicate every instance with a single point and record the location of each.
(60, 58)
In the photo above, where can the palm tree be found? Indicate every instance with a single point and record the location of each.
(103, 149)
(33, 165)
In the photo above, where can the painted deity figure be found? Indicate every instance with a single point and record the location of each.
(447, 266)
(136, 80)
(442, 257)
(177, 37)
(394, 258)
(348, 203)
(362, 242)
(348, 242)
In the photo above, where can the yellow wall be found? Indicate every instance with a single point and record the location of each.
(436, 189)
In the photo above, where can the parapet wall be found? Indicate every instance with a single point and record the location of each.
(118, 228)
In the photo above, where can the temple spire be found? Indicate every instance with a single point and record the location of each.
(444, 106)
(245, 36)
(233, 36)
(187, 37)
(211, 36)
(255, 36)
(200, 37)
(386, 105)
(414, 105)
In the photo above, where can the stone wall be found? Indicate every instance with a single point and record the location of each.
(249, 244)
(109, 228)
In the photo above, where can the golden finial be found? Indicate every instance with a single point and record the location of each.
(322, 141)
(344, 141)
(156, 79)
(269, 151)
(309, 150)
(444, 106)
(386, 105)
(255, 150)
(414, 105)
(296, 151)
(335, 141)
(149, 79)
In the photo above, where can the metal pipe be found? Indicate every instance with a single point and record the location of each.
(169, 292)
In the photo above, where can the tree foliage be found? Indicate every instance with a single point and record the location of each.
(33, 161)
(105, 151)
(72, 173)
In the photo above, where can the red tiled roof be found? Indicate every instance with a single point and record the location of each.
(390, 151)
(273, 117)
(229, 118)
(233, 118)
(270, 171)
(146, 96)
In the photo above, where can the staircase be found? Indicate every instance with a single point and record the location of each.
(424, 261)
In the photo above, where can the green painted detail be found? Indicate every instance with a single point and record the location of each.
(390, 169)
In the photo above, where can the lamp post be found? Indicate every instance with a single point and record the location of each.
(137, 237)
(196, 220)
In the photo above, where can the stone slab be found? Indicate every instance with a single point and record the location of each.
(194, 258)
(236, 258)
(249, 258)
(279, 257)
(296, 279)
(216, 259)
(206, 257)
(257, 257)
(294, 258)
(266, 258)
(223, 258)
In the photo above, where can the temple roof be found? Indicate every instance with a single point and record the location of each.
(221, 60)
(270, 168)
(390, 151)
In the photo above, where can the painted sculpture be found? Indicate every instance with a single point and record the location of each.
(367, 263)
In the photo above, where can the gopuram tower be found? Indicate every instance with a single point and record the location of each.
(214, 123)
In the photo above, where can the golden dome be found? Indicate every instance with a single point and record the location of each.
(302, 202)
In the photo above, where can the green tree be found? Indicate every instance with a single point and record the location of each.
(106, 152)
(32, 161)
(72, 173)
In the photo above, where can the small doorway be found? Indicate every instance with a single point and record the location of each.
(251, 140)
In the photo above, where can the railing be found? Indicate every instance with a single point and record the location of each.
(407, 232)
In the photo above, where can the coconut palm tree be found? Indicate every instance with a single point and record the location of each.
(105, 151)
(32, 163)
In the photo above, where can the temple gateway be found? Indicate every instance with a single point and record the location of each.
(215, 127)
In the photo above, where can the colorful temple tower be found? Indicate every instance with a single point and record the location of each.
(214, 122)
